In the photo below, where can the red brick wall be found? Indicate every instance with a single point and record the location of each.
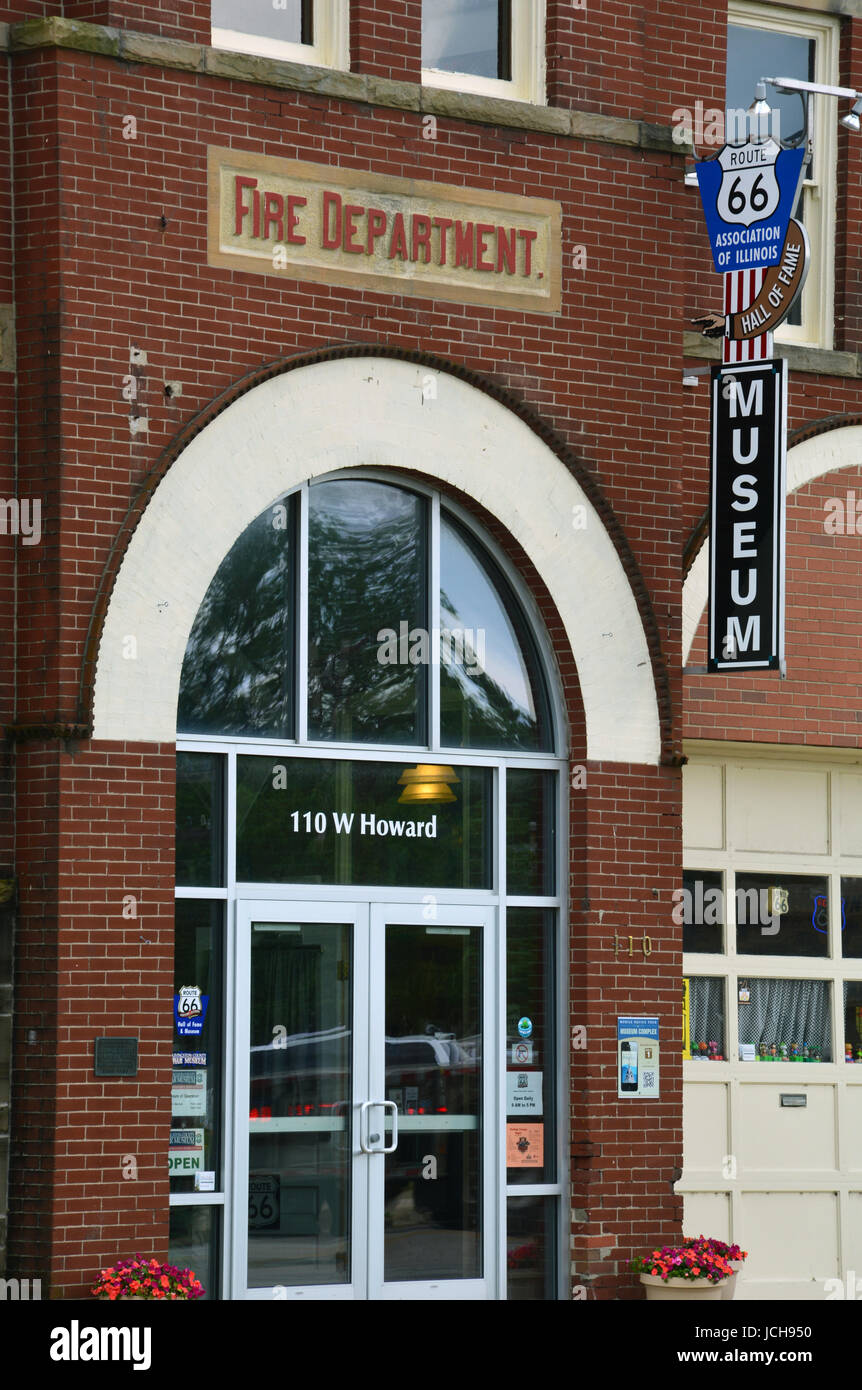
(386, 39)
(625, 1153)
(819, 702)
(95, 824)
(8, 490)
(27, 9)
(185, 19)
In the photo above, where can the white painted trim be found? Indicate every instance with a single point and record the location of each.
(813, 458)
(369, 412)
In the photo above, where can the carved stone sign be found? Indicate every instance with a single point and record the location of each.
(348, 227)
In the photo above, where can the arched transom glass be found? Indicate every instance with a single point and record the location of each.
(356, 611)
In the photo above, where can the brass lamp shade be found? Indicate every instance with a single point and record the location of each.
(427, 782)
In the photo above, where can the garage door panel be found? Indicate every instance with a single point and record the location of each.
(705, 1127)
(707, 1214)
(775, 1138)
(784, 812)
(703, 806)
(792, 1233)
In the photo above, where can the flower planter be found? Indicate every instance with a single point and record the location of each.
(171, 1284)
(729, 1290)
(689, 1289)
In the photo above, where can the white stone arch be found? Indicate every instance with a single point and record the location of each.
(813, 458)
(379, 413)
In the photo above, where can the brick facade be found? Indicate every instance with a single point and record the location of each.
(110, 254)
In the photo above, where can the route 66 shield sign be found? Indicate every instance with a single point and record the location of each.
(189, 1001)
(190, 1008)
(748, 193)
(749, 190)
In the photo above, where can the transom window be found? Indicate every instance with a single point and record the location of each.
(402, 631)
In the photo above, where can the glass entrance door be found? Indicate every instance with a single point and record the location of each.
(366, 1167)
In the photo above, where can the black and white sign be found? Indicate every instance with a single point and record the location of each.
(747, 485)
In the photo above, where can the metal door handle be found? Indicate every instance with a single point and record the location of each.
(363, 1125)
(365, 1143)
(387, 1104)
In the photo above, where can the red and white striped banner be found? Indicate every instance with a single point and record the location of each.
(741, 288)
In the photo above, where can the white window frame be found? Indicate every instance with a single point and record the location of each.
(331, 47)
(528, 62)
(817, 328)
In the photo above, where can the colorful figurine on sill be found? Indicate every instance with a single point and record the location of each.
(712, 1048)
(848, 1052)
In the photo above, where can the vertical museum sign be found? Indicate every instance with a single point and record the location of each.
(747, 484)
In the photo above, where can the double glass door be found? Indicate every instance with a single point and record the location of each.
(366, 1066)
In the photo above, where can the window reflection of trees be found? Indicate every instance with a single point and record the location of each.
(504, 705)
(366, 572)
(238, 670)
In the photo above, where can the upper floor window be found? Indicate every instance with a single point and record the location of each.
(490, 47)
(300, 31)
(767, 41)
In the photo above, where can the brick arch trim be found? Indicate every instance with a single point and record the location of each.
(824, 446)
(278, 427)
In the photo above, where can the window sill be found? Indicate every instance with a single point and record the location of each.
(306, 55)
(497, 89)
(128, 47)
(822, 361)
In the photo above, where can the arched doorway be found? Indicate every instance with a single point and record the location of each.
(370, 792)
(252, 472)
